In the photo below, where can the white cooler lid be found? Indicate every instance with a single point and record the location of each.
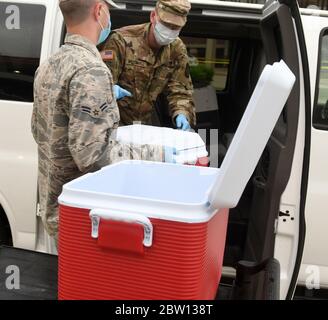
(262, 113)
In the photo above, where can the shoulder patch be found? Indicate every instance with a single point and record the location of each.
(95, 112)
(107, 55)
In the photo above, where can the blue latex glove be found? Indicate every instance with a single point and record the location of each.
(169, 154)
(120, 92)
(182, 122)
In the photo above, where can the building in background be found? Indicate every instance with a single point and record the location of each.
(312, 4)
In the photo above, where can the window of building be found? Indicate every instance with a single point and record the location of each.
(209, 61)
(21, 31)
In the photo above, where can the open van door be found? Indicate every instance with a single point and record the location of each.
(286, 161)
(314, 270)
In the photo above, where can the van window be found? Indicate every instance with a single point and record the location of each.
(21, 30)
(320, 111)
(209, 61)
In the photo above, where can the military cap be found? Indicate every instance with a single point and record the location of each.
(173, 11)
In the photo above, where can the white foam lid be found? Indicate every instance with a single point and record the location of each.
(189, 145)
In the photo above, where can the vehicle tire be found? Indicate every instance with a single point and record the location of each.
(5, 233)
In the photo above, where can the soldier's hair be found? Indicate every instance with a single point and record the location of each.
(75, 11)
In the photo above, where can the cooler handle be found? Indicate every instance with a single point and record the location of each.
(97, 214)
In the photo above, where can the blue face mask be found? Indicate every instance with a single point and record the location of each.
(105, 32)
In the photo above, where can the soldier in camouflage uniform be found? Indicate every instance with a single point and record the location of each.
(75, 113)
(150, 59)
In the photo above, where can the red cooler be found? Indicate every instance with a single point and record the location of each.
(141, 230)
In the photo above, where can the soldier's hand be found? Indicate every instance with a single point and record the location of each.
(170, 154)
(182, 122)
(120, 93)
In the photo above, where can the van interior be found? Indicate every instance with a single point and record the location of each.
(236, 47)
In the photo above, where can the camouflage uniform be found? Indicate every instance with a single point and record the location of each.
(136, 68)
(73, 122)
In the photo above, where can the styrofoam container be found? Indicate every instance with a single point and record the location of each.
(189, 145)
(145, 230)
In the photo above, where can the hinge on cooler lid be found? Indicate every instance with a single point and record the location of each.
(38, 212)
(95, 226)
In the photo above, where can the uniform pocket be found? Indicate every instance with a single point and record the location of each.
(143, 73)
(160, 80)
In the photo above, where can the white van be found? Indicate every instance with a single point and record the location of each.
(266, 252)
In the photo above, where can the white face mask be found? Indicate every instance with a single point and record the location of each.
(165, 35)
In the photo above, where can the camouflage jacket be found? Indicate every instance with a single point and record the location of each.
(74, 120)
(136, 68)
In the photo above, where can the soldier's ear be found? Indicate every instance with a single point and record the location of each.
(153, 17)
(97, 10)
